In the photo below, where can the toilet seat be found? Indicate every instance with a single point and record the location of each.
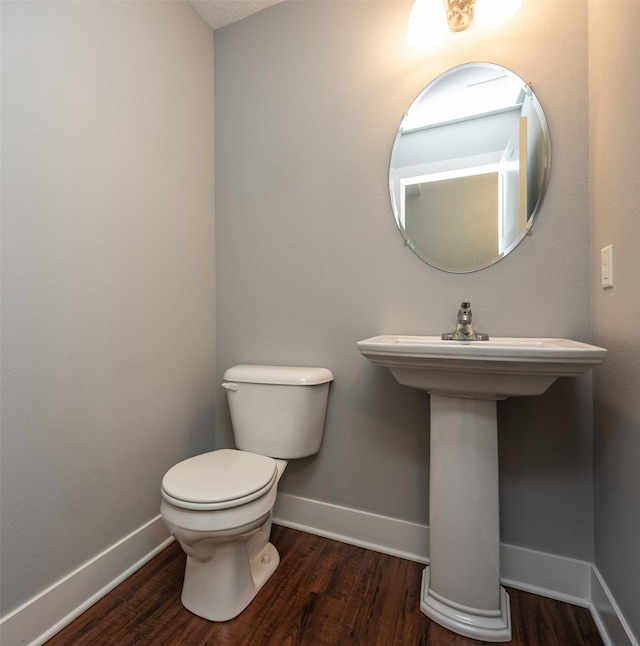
(219, 480)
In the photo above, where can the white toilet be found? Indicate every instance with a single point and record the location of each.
(218, 504)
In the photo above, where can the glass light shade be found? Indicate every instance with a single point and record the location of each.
(494, 12)
(427, 23)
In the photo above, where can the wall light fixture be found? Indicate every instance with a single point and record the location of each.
(430, 19)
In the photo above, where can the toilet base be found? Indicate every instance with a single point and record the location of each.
(222, 587)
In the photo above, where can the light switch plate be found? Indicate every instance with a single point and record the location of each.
(606, 266)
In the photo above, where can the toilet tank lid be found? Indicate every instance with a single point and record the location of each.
(281, 375)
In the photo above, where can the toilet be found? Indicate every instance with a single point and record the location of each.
(218, 505)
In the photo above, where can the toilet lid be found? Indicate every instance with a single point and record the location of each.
(219, 476)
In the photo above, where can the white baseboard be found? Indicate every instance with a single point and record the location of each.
(363, 529)
(612, 625)
(557, 577)
(40, 618)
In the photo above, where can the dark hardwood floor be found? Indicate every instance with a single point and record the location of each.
(324, 593)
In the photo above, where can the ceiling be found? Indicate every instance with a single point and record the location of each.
(218, 13)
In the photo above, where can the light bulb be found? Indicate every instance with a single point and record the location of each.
(427, 23)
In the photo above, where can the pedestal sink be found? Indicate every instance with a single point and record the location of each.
(461, 586)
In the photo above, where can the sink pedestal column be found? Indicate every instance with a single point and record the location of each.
(461, 586)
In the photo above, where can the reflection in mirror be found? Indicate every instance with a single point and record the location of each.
(469, 167)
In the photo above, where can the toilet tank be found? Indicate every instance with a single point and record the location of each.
(277, 411)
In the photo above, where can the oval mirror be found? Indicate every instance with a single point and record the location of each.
(469, 167)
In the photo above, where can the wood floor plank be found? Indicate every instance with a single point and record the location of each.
(324, 593)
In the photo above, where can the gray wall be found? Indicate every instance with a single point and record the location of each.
(107, 273)
(308, 99)
(615, 208)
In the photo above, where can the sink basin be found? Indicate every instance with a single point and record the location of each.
(461, 585)
(496, 369)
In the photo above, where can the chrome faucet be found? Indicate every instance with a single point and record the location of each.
(464, 328)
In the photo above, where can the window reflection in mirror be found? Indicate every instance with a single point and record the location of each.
(469, 167)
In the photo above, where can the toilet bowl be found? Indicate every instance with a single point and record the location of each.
(226, 538)
(218, 505)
